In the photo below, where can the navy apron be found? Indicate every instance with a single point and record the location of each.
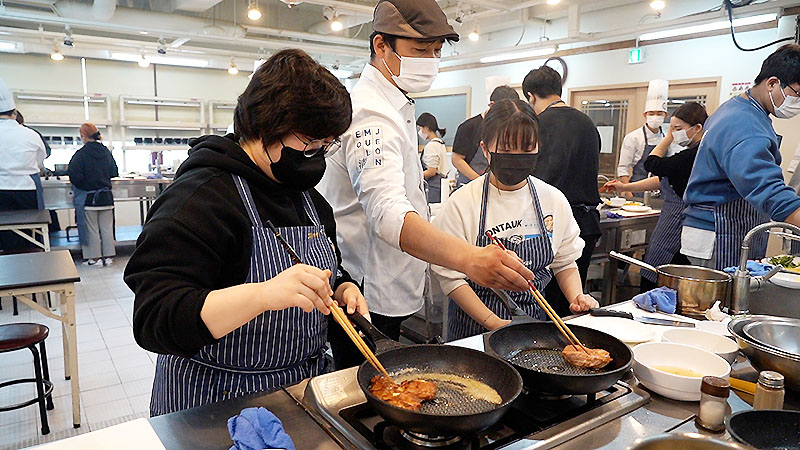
(274, 349)
(537, 254)
(665, 242)
(37, 181)
(79, 202)
(435, 183)
(732, 221)
(639, 172)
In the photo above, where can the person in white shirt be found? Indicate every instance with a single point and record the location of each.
(22, 154)
(434, 155)
(529, 216)
(375, 184)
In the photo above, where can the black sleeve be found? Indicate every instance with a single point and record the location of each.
(47, 148)
(679, 164)
(183, 253)
(463, 142)
(326, 216)
(75, 171)
(112, 165)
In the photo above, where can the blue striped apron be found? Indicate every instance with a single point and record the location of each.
(665, 241)
(732, 221)
(639, 172)
(274, 349)
(536, 252)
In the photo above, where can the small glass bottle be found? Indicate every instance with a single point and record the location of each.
(769, 391)
(714, 392)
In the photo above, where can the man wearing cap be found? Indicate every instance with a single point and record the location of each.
(22, 153)
(638, 144)
(375, 184)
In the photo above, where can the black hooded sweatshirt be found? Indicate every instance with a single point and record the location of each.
(91, 168)
(198, 238)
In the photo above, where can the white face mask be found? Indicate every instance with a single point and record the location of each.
(416, 74)
(422, 135)
(789, 108)
(681, 138)
(655, 121)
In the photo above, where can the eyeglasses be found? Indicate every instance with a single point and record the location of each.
(793, 90)
(316, 146)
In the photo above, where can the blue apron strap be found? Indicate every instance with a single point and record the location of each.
(482, 221)
(539, 214)
(247, 199)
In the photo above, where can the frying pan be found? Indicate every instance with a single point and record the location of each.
(534, 349)
(453, 412)
(748, 428)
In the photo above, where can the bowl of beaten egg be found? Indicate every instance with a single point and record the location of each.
(675, 370)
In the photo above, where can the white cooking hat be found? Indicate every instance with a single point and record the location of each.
(6, 99)
(657, 94)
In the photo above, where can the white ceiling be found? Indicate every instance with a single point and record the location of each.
(218, 30)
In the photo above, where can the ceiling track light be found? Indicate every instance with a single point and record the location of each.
(658, 5)
(68, 42)
(233, 70)
(162, 46)
(474, 35)
(56, 55)
(336, 23)
(253, 13)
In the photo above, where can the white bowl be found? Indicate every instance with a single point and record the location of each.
(718, 328)
(709, 342)
(646, 357)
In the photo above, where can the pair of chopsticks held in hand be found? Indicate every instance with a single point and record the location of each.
(562, 327)
(338, 313)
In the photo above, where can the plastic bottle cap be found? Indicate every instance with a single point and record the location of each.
(718, 387)
(771, 379)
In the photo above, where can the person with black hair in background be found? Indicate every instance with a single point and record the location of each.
(737, 182)
(529, 216)
(434, 155)
(90, 171)
(468, 157)
(375, 184)
(569, 158)
(218, 297)
(671, 173)
(22, 153)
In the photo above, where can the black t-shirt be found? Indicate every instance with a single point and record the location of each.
(569, 157)
(468, 137)
(677, 168)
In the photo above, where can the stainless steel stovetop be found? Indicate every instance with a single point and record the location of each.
(531, 423)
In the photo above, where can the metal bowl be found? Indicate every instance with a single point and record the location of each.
(783, 336)
(763, 357)
(684, 441)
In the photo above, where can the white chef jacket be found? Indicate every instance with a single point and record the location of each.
(435, 155)
(22, 154)
(512, 215)
(633, 148)
(372, 183)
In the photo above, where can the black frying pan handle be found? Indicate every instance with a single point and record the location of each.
(380, 342)
(512, 306)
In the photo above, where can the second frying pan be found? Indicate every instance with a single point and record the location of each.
(534, 349)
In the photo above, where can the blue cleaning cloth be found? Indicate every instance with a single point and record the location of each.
(662, 299)
(257, 429)
(612, 215)
(755, 268)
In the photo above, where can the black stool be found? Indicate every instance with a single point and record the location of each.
(16, 336)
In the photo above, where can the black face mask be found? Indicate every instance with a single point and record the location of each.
(297, 171)
(512, 168)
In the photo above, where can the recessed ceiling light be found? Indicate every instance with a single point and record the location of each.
(253, 13)
(658, 5)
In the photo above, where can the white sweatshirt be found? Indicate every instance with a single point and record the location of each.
(509, 214)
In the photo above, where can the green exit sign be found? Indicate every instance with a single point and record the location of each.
(635, 56)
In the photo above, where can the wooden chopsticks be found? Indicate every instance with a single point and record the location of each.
(338, 314)
(341, 319)
(562, 327)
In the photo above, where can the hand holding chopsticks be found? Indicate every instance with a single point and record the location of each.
(562, 327)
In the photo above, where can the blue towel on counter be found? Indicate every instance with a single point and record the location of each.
(612, 215)
(662, 299)
(755, 268)
(257, 429)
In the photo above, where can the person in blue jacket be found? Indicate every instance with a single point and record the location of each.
(737, 182)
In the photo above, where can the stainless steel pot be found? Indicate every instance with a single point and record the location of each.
(685, 441)
(764, 357)
(698, 287)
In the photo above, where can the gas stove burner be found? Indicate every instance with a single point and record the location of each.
(425, 440)
(546, 396)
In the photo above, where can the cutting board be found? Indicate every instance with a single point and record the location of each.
(134, 435)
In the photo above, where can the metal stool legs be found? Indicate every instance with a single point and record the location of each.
(37, 368)
(46, 373)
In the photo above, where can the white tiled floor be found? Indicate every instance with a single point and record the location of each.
(116, 375)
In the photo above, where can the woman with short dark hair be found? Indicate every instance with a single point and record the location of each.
(218, 294)
(434, 155)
